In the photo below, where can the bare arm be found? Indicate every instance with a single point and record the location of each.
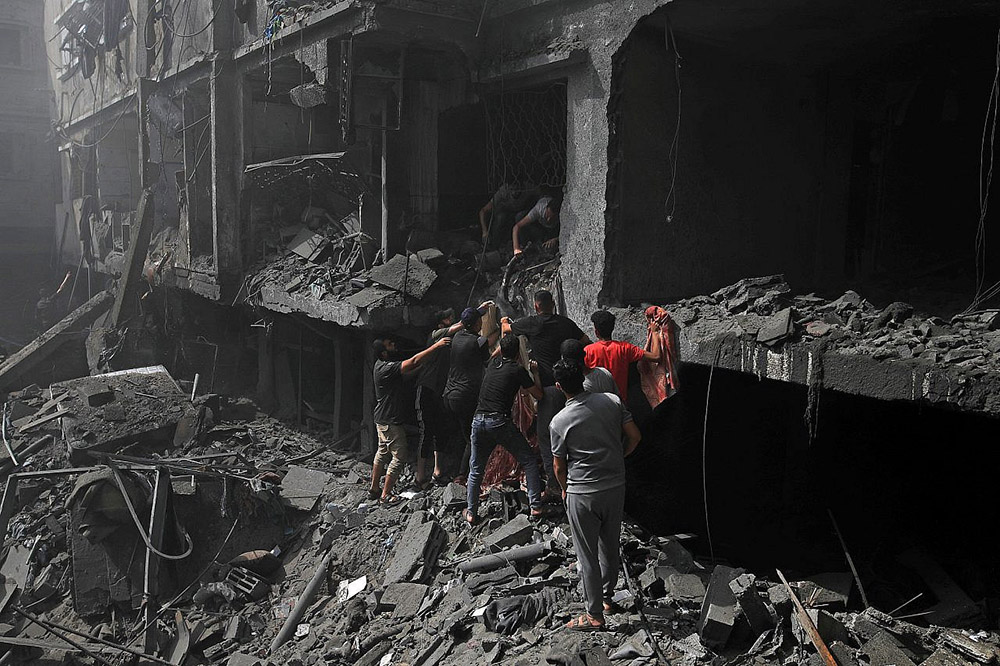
(632, 437)
(414, 362)
(453, 329)
(505, 325)
(535, 391)
(516, 233)
(483, 212)
(559, 469)
(654, 353)
(64, 283)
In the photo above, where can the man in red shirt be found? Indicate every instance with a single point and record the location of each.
(617, 355)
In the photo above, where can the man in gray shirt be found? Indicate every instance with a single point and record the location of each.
(595, 380)
(589, 462)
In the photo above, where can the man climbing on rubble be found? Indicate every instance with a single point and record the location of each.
(467, 359)
(492, 425)
(507, 205)
(546, 331)
(595, 380)
(617, 355)
(389, 419)
(48, 311)
(589, 452)
(539, 225)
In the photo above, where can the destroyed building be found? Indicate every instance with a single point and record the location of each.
(275, 183)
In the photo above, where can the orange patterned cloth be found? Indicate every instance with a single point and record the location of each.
(659, 378)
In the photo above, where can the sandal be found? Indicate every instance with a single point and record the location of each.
(470, 517)
(440, 480)
(541, 512)
(585, 622)
(392, 500)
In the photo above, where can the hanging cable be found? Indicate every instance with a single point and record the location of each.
(670, 203)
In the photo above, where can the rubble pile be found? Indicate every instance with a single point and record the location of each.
(765, 311)
(271, 553)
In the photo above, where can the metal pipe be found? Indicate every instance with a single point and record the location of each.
(302, 604)
(494, 561)
(90, 653)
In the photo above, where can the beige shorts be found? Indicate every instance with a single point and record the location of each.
(392, 447)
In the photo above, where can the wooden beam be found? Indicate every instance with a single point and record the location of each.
(134, 261)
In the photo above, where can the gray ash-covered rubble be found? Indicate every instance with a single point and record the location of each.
(758, 325)
(272, 554)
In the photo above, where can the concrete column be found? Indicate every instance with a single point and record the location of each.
(227, 165)
(581, 238)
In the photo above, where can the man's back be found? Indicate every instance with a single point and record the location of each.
(465, 373)
(616, 356)
(587, 433)
(388, 392)
(546, 333)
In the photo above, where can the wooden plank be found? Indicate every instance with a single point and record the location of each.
(44, 419)
(807, 624)
(135, 258)
(20, 423)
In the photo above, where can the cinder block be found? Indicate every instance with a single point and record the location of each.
(744, 588)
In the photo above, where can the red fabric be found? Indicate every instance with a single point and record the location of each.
(502, 466)
(615, 355)
(659, 378)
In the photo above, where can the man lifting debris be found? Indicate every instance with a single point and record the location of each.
(390, 394)
(589, 458)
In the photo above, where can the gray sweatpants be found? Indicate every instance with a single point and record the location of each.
(596, 522)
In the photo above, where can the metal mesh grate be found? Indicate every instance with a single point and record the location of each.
(527, 136)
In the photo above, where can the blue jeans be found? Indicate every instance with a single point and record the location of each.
(488, 430)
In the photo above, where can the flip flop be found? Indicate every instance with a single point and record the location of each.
(584, 623)
(392, 500)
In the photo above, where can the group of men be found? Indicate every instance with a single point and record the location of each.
(584, 429)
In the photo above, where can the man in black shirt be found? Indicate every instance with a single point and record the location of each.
(546, 331)
(389, 419)
(469, 353)
(429, 404)
(492, 425)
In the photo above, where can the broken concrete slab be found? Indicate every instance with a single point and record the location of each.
(826, 589)
(982, 652)
(719, 609)
(302, 487)
(776, 328)
(22, 367)
(653, 580)
(517, 532)
(416, 552)
(401, 273)
(455, 497)
(884, 650)
(843, 654)
(673, 554)
(954, 606)
(943, 657)
(308, 245)
(686, 588)
(403, 599)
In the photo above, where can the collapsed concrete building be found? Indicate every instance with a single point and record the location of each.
(696, 143)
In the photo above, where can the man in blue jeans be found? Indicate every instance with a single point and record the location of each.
(492, 425)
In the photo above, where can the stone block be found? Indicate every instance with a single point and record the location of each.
(416, 552)
(830, 628)
(302, 487)
(455, 497)
(744, 588)
(884, 650)
(673, 554)
(654, 579)
(517, 532)
(686, 588)
(719, 608)
(826, 589)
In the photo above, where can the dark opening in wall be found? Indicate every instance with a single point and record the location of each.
(837, 144)
(895, 475)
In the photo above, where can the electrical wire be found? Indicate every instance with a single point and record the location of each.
(704, 450)
(670, 203)
(989, 123)
(215, 13)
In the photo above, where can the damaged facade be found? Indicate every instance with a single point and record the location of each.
(271, 184)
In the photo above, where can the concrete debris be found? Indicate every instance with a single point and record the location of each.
(404, 275)
(284, 561)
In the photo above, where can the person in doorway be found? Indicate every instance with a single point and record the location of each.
(540, 224)
(492, 425)
(507, 205)
(389, 419)
(546, 331)
(595, 380)
(467, 359)
(591, 437)
(48, 310)
(617, 355)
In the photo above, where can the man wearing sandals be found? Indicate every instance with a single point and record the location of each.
(492, 425)
(589, 462)
(389, 415)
